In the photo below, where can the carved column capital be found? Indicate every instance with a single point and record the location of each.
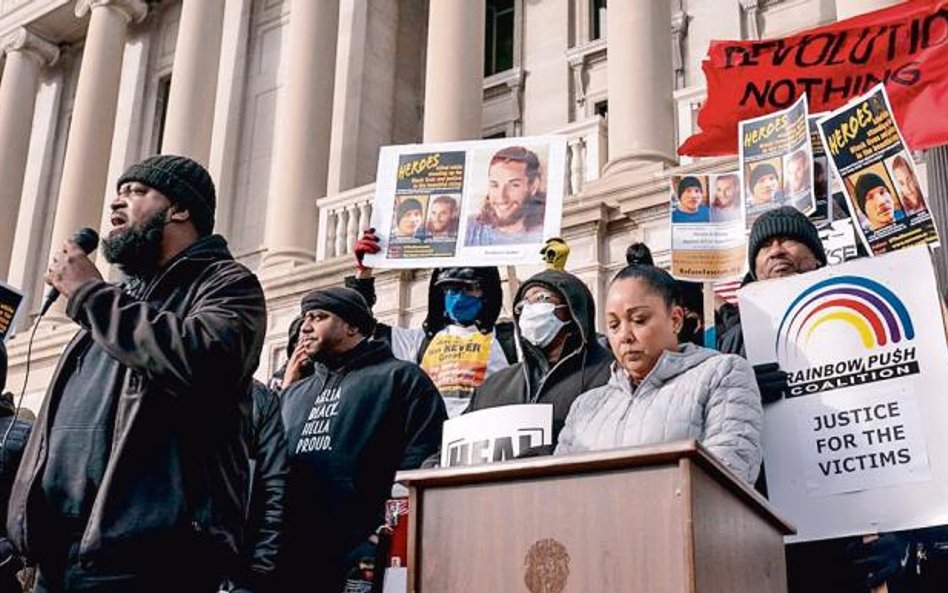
(134, 11)
(31, 44)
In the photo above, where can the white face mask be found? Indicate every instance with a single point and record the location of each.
(539, 323)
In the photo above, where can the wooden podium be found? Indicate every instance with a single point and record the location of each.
(659, 519)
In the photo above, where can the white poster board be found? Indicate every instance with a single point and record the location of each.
(477, 203)
(495, 434)
(859, 444)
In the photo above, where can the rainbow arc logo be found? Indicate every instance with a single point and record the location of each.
(876, 313)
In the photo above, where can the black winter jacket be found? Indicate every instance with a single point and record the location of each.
(178, 472)
(268, 488)
(584, 364)
(383, 415)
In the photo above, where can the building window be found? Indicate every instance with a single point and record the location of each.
(597, 18)
(499, 44)
(496, 135)
(602, 109)
(161, 111)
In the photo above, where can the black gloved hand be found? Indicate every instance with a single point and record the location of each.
(772, 382)
(879, 560)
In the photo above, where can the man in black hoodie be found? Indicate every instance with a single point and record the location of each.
(555, 316)
(350, 426)
(137, 470)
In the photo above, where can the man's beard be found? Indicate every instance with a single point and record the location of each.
(137, 250)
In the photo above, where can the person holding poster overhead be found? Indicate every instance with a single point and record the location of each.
(555, 316)
(661, 391)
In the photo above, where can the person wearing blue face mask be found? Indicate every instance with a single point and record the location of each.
(460, 342)
(555, 316)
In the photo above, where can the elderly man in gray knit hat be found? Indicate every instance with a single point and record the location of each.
(138, 470)
(783, 242)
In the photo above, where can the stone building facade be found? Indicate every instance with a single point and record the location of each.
(288, 101)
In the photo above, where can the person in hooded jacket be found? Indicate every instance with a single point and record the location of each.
(460, 343)
(359, 418)
(555, 316)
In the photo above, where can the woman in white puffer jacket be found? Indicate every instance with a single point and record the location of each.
(661, 391)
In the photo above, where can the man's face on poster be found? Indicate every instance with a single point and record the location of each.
(725, 191)
(909, 191)
(690, 199)
(409, 221)
(765, 189)
(880, 207)
(508, 190)
(441, 215)
(797, 173)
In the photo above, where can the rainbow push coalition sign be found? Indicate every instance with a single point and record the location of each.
(859, 431)
(873, 315)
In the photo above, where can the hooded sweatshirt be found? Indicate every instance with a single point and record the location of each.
(349, 428)
(583, 364)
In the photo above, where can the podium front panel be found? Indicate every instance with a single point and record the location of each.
(602, 532)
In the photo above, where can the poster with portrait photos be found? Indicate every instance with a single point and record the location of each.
(776, 158)
(707, 227)
(878, 174)
(11, 304)
(477, 203)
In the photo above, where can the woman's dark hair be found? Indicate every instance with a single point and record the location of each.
(639, 254)
(657, 279)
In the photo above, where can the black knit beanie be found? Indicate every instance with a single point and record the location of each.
(687, 182)
(785, 221)
(183, 181)
(867, 182)
(761, 170)
(346, 303)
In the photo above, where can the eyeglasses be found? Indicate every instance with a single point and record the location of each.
(540, 297)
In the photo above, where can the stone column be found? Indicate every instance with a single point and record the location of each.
(26, 54)
(86, 163)
(641, 107)
(454, 79)
(849, 8)
(191, 99)
(303, 124)
(936, 163)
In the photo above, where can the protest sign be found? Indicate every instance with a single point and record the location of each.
(868, 154)
(775, 162)
(495, 434)
(839, 241)
(902, 46)
(822, 213)
(707, 227)
(858, 445)
(478, 203)
(10, 301)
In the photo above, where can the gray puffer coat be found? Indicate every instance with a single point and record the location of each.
(695, 393)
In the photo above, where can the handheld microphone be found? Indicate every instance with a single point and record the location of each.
(87, 240)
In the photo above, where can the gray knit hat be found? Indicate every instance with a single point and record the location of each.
(183, 181)
(785, 221)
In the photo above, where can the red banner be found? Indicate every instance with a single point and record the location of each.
(905, 46)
